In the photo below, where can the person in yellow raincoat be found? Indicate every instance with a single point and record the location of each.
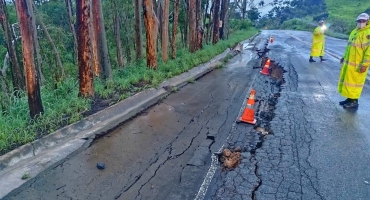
(355, 63)
(318, 42)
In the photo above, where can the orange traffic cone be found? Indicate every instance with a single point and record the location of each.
(248, 114)
(265, 69)
(271, 39)
(251, 98)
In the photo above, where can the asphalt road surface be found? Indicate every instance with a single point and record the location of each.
(304, 146)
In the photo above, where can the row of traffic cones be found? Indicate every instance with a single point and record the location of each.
(248, 113)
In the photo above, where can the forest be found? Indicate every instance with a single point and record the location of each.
(65, 60)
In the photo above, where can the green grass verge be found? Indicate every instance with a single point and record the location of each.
(63, 106)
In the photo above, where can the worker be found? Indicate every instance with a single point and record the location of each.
(355, 63)
(318, 42)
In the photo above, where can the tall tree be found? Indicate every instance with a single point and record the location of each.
(32, 81)
(199, 25)
(36, 44)
(216, 21)
(51, 42)
(11, 41)
(138, 30)
(72, 25)
(101, 49)
(117, 34)
(166, 8)
(174, 32)
(151, 26)
(84, 54)
(192, 26)
(223, 17)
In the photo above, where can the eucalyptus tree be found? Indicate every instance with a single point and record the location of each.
(11, 42)
(192, 26)
(32, 80)
(138, 29)
(166, 8)
(117, 33)
(216, 21)
(86, 78)
(175, 24)
(151, 26)
(223, 17)
(100, 49)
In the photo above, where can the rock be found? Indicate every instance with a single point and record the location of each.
(100, 166)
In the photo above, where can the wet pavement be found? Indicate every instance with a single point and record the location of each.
(304, 146)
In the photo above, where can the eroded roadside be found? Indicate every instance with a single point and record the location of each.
(162, 153)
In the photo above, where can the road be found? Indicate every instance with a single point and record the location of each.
(305, 146)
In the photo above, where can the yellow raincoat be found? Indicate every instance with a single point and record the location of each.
(357, 54)
(318, 42)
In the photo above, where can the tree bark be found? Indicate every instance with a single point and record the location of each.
(72, 26)
(166, 8)
(86, 77)
(17, 75)
(175, 24)
(117, 35)
(199, 25)
(32, 81)
(100, 39)
(223, 16)
(138, 30)
(216, 21)
(36, 42)
(192, 26)
(151, 26)
(50, 40)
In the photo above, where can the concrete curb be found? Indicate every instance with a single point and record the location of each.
(33, 158)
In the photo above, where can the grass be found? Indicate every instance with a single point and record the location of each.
(347, 10)
(63, 106)
(343, 13)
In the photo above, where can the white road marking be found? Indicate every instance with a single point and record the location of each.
(214, 163)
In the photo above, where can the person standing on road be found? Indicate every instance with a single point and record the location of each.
(318, 42)
(355, 63)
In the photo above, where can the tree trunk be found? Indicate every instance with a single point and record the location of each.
(186, 23)
(223, 16)
(216, 21)
(36, 42)
(4, 84)
(17, 75)
(32, 81)
(72, 26)
(244, 8)
(166, 8)
(84, 55)
(138, 30)
(175, 24)
(100, 38)
(50, 40)
(151, 26)
(192, 26)
(117, 35)
(199, 25)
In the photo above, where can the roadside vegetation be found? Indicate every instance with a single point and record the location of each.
(63, 106)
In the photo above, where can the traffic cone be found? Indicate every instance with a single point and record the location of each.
(251, 98)
(271, 39)
(248, 113)
(265, 69)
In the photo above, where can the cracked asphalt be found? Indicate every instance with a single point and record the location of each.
(304, 146)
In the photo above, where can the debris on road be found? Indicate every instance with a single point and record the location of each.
(100, 166)
(230, 159)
